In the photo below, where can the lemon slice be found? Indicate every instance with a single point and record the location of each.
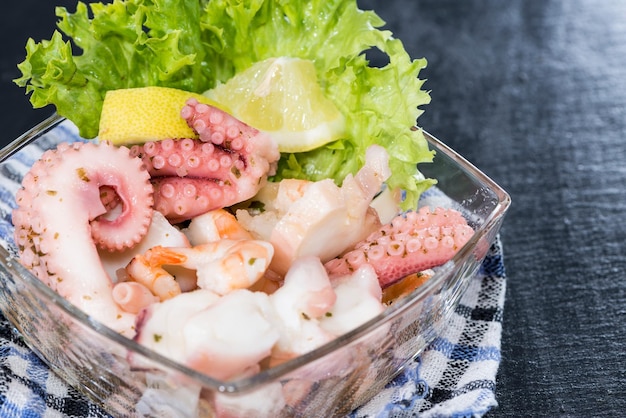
(138, 115)
(282, 96)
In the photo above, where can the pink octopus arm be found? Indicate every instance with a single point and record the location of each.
(60, 220)
(408, 244)
(228, 164)
(133, 297)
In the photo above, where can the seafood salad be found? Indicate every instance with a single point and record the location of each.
(247, 192)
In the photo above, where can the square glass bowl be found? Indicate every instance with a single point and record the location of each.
(329, 381)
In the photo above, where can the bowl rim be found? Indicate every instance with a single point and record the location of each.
(281, 370)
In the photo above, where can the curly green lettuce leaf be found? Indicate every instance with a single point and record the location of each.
(380, 104)
(130, 43)
(195, 44)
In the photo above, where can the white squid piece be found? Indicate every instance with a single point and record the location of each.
(359, 298)
(304, 298)
(318, 218)
(223, 337)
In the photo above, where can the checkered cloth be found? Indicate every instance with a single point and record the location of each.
(454, 377)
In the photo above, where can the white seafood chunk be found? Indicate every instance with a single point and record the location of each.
(305, 296)
(223, 337)
(318, 218)
(358, 300)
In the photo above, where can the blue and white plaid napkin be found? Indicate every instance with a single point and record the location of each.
(454, 377)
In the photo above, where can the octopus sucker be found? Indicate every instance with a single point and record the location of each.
(63, 230)
(228, 154)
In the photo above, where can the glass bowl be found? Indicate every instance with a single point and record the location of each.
(329, 381)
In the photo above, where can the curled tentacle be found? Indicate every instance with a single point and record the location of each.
(133, 296)
(226, 165)
(410, 243)
(61, 219)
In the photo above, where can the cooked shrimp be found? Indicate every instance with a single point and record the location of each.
(213, 226)
(147, 269)
(221, 266)
(160, 232)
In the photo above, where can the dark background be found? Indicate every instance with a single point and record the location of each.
(534, 93)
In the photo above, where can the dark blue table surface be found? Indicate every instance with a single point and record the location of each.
(533, 92)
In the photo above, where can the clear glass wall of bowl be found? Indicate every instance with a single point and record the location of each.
(129, 380)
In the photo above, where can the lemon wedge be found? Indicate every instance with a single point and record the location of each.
(282, 97)
(138, 115)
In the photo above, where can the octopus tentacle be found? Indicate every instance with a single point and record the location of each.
(412, 242)
(61, 219)
(132, 296)
(227, 164)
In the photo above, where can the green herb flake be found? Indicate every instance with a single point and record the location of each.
(82, 174)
